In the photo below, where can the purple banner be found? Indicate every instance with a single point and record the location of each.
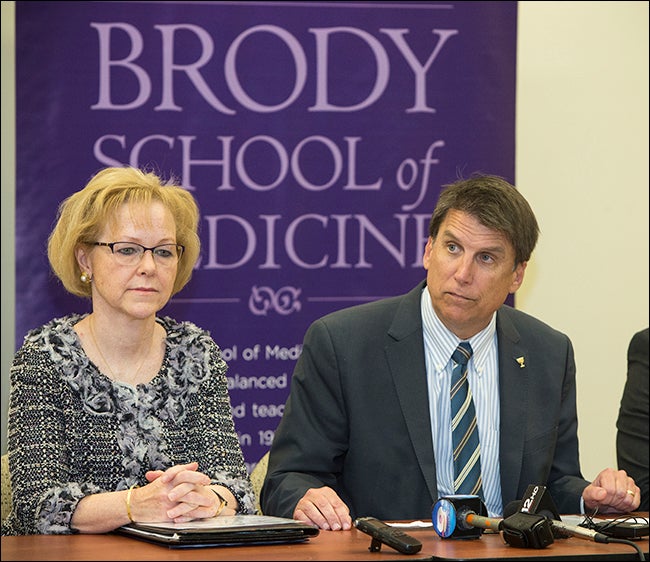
(314, 135)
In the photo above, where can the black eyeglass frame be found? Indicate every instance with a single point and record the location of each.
(180, 248)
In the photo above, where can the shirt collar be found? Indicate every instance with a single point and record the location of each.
(441, 342)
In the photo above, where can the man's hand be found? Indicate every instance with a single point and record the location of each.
(324, 508)
(612, 491)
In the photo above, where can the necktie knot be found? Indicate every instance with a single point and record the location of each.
(462, 353)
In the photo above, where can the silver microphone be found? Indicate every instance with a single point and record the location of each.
(580, 532)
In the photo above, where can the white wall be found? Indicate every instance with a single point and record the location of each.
(7, 199)
(582, 162)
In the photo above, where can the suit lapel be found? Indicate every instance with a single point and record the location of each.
(514, 372)
(405, 356)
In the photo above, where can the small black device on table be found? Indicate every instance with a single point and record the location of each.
(383, 533)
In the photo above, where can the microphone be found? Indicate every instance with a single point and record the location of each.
(471, 519)
(566, 530)
(537, 500)
(512, 508)
(527, 530)
(462, 517)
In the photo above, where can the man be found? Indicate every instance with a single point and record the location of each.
(632, 423)
(367, 426)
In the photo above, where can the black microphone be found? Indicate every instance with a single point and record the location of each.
(537, 500)
(512, 508)
(462, 517)
(527, 530)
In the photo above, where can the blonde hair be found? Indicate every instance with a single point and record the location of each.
(83, 215)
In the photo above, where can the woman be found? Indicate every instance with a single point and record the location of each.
(120, 415)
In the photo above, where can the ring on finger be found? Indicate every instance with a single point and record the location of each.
(631, 492)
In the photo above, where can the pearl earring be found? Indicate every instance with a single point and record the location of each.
(86, 277)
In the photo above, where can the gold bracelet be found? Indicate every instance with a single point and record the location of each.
(128, 502)
(223, 503)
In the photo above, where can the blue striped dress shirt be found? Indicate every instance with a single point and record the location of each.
(483, 376)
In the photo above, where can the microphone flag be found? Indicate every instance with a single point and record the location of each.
(450, 516)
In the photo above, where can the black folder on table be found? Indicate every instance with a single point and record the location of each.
(222, 531)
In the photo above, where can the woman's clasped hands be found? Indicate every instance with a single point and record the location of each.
(179, 494)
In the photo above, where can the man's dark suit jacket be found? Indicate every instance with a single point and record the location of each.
(632, 423)
(357, 417)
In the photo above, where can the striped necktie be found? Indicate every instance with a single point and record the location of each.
(467, 449)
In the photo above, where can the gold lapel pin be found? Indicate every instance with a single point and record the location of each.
(520, 360)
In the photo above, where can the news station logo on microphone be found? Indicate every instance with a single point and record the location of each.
(455, 517)
(537, 502)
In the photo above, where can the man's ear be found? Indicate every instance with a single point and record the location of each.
(428, 248)
(518, 276)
